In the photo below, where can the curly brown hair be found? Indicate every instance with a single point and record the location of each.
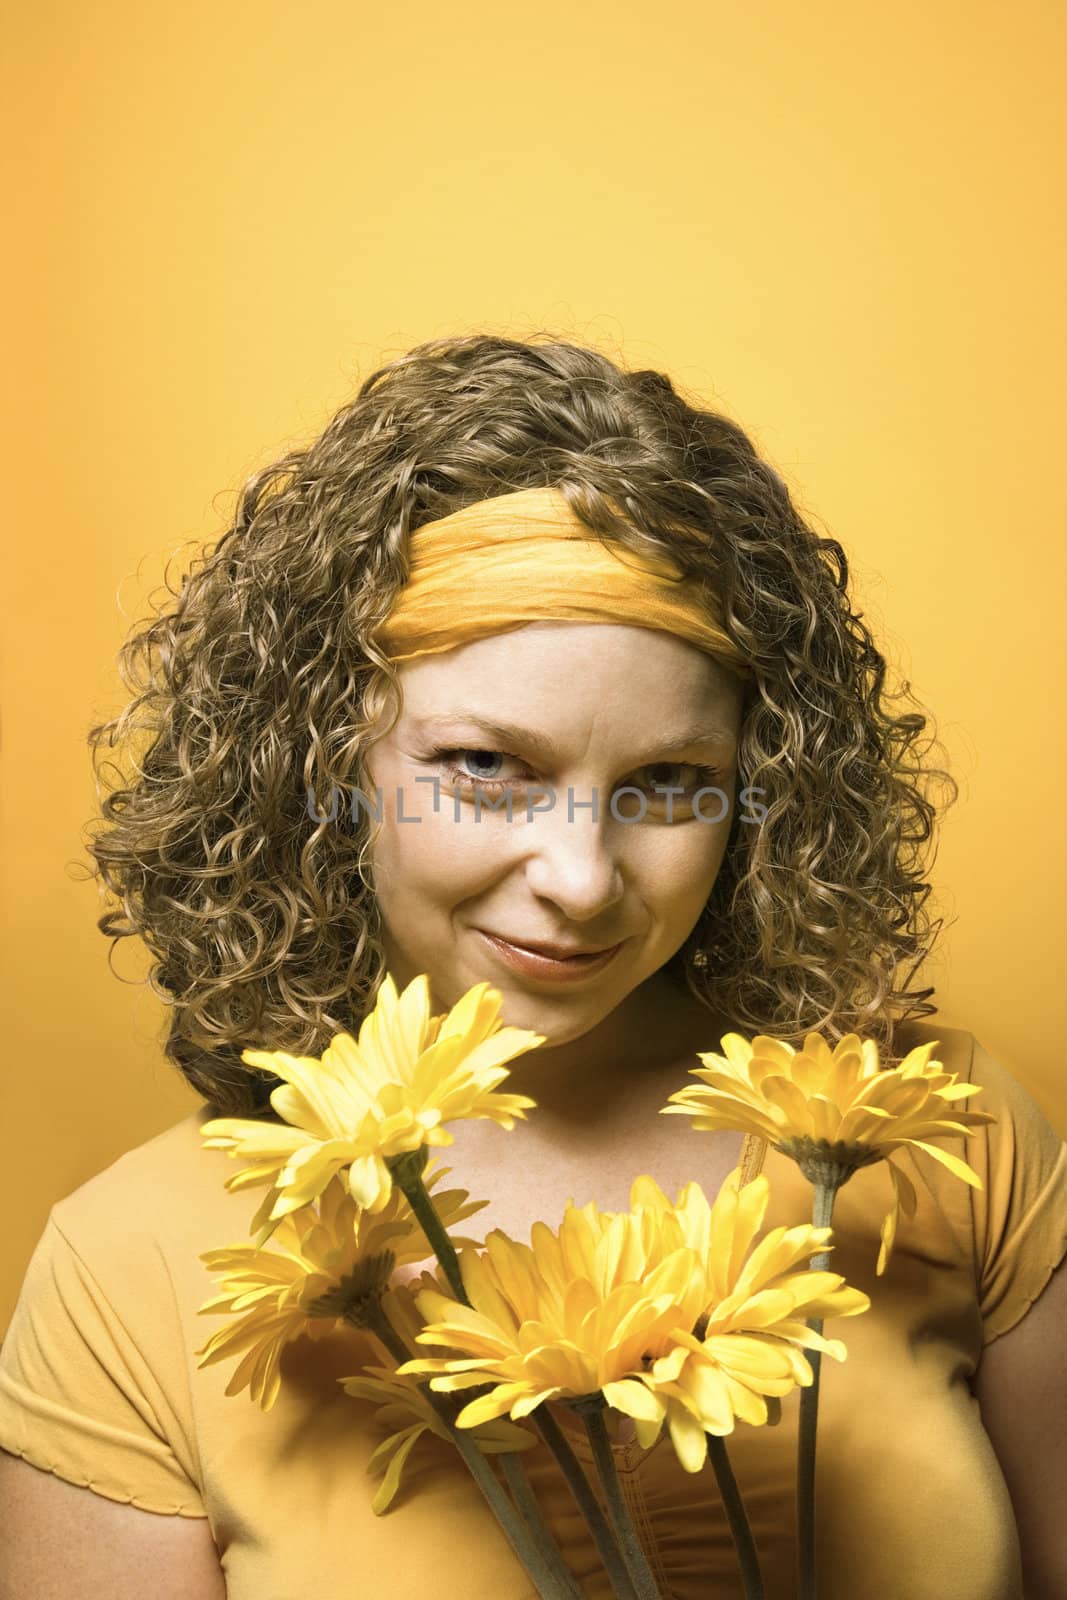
(261, 687)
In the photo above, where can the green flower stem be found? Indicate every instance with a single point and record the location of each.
(734, 1507)
(407, 1172)
(640, 1572)
(547, 1583)
(524, 1497)
(822, 1210)
(579, 1485)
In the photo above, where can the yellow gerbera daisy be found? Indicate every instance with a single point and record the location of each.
(386, 1095)
(596, 1306)
(326, 1257)
(746, 1344)
(833, 1111)
(562, 1316)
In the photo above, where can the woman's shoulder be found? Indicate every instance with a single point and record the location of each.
(94, 1364)
(1018, 1205)
(998, 1074)
(954, 1047)
(164, 1193)
(1001, 1080)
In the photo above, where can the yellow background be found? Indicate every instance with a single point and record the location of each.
(842, 224)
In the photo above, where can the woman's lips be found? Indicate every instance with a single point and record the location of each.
(572, 969)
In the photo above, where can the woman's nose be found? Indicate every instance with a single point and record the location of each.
(575, 862)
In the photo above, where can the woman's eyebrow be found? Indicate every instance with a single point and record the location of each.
(542, 746)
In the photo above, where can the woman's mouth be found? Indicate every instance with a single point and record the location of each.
(554, 969)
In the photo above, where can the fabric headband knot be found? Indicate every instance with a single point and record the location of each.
(526, 557)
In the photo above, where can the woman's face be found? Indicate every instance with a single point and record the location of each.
(590, 708)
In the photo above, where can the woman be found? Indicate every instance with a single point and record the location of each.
(641, 775)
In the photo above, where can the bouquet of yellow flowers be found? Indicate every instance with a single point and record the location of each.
(673, 1314)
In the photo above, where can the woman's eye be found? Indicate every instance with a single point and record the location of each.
(684, 775)
(471, 768)
(664, 775)
(485, 765)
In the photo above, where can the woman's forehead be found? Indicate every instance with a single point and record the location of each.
(547, 680)
(574, 653)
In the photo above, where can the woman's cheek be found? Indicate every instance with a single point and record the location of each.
(685, 872)
(451, 852)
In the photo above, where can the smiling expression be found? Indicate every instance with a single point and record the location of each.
(589, 709)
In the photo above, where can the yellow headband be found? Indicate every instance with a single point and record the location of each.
(526, 557)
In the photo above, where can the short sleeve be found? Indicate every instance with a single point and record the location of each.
(80, 1396)
(1020, 1214)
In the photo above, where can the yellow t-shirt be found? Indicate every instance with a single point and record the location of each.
(99, 1384)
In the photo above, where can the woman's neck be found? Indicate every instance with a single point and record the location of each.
(648, 1041)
